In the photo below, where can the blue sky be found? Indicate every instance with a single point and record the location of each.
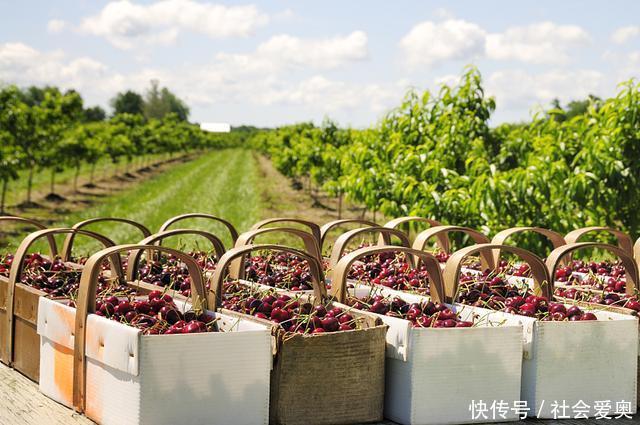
(275, 62)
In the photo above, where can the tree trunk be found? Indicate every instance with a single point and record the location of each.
(53, 180)
(93, 170)
(29, 184)
(75, 178)
(5, 184)
(340, 205)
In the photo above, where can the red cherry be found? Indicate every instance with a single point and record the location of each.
(154, 295)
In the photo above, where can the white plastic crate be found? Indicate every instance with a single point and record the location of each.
(117, 375)
(569, 362)
(435, 374)
(207, 378)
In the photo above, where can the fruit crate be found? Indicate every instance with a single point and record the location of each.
(177, 275)
(433, 373)
(67, 245)
(5, 354)
(399, 222)
(331, 226)
(385, 235)
(233, 233)
(20, 340)
(308, 240)
(309, 226)
(583, 361)
(334, 377)
(116, 374)
(442, 233)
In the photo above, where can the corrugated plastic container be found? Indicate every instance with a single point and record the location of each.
(434, 374)
(570, 362)
(117, 375)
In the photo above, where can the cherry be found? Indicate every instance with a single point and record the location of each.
(320, 310)
(554, 308)
(330, 324)
(574, 310)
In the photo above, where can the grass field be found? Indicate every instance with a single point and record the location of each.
(235, 184)
(221, 183)
(17, 190)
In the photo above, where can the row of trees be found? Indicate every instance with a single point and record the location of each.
(48, 129)
(436, 155)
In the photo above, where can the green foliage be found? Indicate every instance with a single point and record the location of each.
(128, 102)
(435, 155)
(95, 113)
(46, 128)
(159, 103)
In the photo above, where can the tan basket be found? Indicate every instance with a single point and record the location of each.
(157, 238)
(399, 221)
(232, 230)
(314, 229)
(4, 281)
(328, 227)
(441, 234)
(500, 238)
(624, 241)
(384, 238)
(68, 241)
(330, 378)
(20, 341)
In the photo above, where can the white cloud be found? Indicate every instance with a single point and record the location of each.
(624, 34)
(55, 26)
(544, 42)
(519, 88)
(23, 65)
(329, 95)
(428, 42)
(282, 51)
(125, 24)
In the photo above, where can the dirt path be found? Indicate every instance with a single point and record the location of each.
(279, 198)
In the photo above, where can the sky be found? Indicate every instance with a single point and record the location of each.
(271, 62)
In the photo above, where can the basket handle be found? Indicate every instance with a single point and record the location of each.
(327, 227)
(232, 230)
(555, 238)
(542, 284)
(630, 267)
(441, 233)
(86, 304)
(68, 241)
(624, 240)
(315, 268)
(385, 239)
(134, 256)
(53, 247)
(397, 222)
(18, 262)
(309, 241)
(340, 271)
(313, 227)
